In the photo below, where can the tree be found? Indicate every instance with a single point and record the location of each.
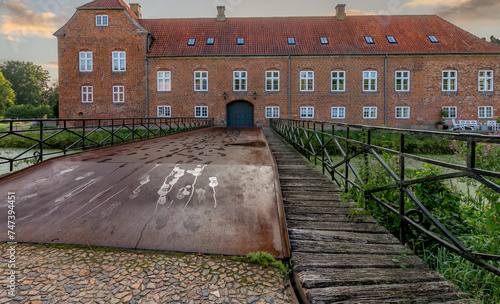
(29, 81)
(494, 40)
(7, 96)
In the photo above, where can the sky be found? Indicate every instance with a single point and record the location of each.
(26, 26)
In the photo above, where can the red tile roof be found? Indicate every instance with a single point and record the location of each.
(268, 36)
(108, 4)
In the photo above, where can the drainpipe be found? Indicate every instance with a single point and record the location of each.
(385, 90)
(289, 93)
(147, 89)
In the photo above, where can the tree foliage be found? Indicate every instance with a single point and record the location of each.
(29, 82)
(7, 96)
(29, 111)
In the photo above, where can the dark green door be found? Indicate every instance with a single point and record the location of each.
(240, 114)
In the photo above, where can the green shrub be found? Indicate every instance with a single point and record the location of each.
(28, 112)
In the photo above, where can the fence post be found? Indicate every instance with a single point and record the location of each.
(346, 190)
(41, 141)
(471, 154)
(402, 223)
(112, 131)
(83, 135)
(323, 146)
(367, 164)
(315, 153)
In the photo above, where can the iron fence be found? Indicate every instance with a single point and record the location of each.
(41, 138)
(324, 142)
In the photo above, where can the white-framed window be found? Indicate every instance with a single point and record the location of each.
(163, 79)
(239, 80)
(449, 81)
(272, 112)
(201, 81)
(307, 81)
(306, 112)
(201, 111)
(338, 112)
(452, 112)
(485, 81)
(101, 20)
(240, 41)
(85, 61)
(370, 112)
(87, 94)
(272, 80)
(369, 81)
(485, 112)
(403, 112)
(118, 94)
(338, 81)
(119, 61)
(402, 81)
(163, 111)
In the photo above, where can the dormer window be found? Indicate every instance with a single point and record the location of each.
(369, 40)
(240, 41)
(101, 20)
(210, 41)
(323, 40)
(291, 40)
(191, 41)
(392, 40)
(433, 39)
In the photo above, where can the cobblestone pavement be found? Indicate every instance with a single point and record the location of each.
(48, 274)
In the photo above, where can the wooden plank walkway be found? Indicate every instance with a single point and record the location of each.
(338, 258)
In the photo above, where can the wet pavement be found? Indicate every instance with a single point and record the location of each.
(213, 191)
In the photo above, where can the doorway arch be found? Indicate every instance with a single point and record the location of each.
(240, 113)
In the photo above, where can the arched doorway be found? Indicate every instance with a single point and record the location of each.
(240, 114)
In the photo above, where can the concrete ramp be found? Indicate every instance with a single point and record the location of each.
(211, 191)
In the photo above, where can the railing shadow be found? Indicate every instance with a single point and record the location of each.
(42, 138)
(347, 154)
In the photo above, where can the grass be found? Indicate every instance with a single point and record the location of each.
(265, 260)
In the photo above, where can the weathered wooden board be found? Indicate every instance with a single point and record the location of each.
(318, 210)
(345, 248)
(341, 236)
(314, 204)
(331, 218)
(337, 226)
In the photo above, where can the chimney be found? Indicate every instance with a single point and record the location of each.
(340, 12)
(221, 13)
(136, 8)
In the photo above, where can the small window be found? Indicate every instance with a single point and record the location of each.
(201, 81)
(449, 112)
(485, 112)
(291, 40)
(272, 80)
(210, 41)
(369, 81)
(403, 112)
(85, 61)
(306, 112)
(370, 112)
(338, 112)
(338, 81)
(485, 81)
(163, 78)
(191, 41)
(272, 112)
(87, 94)
(433, 39)
(201, 111)
(239, 81)
(402, 81)
(369, 40)
(449, 81)
(240, 41)
(119, 94)
(163, 111)
(119, 61)
(101, 20)
(306, 81)
(324, 40)
(392, 40)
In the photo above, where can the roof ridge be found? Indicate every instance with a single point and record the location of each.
(297, 17)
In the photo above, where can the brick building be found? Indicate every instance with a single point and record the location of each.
(394, 70)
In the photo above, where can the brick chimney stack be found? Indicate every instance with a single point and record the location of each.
(221, 13)
(136, 8)
(340, 12)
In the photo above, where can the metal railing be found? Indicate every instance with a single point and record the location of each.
(40, 138)
(317, 140)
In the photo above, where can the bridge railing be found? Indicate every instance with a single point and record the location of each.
(344, 156)
(31, 141)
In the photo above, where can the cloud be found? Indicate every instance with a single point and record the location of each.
(25, 22)
(51, 64)
(353, 12)
(435, 2)
(478, 10)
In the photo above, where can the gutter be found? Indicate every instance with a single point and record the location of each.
(289, 87)
(385, 89)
